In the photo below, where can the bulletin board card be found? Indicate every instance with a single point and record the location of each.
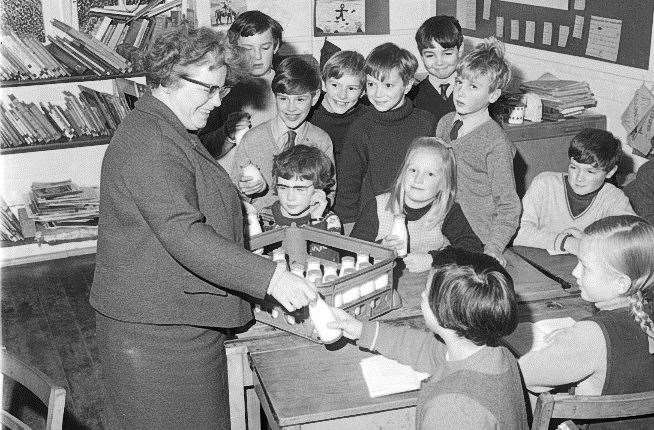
(376, 18)
(606, 30)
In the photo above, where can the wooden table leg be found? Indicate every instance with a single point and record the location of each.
(235, 370)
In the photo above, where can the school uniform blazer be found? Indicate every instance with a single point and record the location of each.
(170, 242)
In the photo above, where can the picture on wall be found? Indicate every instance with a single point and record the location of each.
(340, 16)
(223, 12)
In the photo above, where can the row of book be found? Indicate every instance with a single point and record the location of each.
(560, 98)
(62, 202)
(90, 114)
(10, 229)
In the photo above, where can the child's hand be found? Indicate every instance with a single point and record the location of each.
(392, 242)
(248, 185)
(417, 261)
(250, 209)
(351, 326)
(236, 121)
(572, 243)
(318, 204)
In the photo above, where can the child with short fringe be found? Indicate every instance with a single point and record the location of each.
(612, 351)
(484, 154)
(343, 84)
(297, 88)
(377, 141)
(470, 304)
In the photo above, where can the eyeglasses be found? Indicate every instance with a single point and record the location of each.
(299, 188)
(212, 88)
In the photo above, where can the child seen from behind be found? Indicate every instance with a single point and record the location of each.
(470, 304)
(423, 192)
(484, 154)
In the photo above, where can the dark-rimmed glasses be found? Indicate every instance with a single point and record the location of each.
(213, 89)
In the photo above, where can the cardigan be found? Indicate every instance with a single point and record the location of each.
(483, 391)
(259, 148)
(454, 230)
(485, 181)
(170, 239)
(428, 98)
(373, 153)
(546, 210)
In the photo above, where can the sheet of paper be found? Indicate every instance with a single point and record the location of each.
(580, 4)
(530, 31)
(578, 29)
(486, 10)
(466, 13)
(604, 37)
(341, 16)
(547, 33)
(641, 137)
(384, 376)
(553, 4)
(564, 32)
(640, 104)
(515, 29)
(499, 27)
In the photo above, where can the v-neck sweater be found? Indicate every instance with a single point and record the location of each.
(373, 152)
(546, 210)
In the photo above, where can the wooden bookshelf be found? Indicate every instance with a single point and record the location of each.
(68, 79)
(73, 143)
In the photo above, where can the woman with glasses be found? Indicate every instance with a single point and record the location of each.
(172, 275)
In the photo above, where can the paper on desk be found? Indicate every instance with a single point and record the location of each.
(556, 252)
(384, 376)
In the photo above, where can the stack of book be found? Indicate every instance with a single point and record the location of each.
(90, 114)
(26, 58)
(560, 98)
(62, 203)
(10, 227)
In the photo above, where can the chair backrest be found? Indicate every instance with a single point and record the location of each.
(551, 406)
(52, 395)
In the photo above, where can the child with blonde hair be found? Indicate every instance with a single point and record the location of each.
(423, 192)
(612, 351)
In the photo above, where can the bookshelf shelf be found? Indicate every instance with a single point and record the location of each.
(73, 143)
(68, 79)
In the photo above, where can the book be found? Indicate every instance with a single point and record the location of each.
(107, 34)
(102, 28)
(384, 376)
(66, 60)
(118, 31)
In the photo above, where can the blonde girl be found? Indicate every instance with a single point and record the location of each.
(423, 192)
(611, 352)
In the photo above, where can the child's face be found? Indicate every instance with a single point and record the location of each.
(473, 94)
(293, 109)
(584, 178)
(341, 94)
(422, 180)
(294, 196)
(260, 48)
(388, 94)
(596, 280)
(439, 61)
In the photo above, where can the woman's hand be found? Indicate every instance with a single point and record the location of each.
(418, 261)
(291, 291)
(249, 185)
(318, 204)
(392, 242)
(351, 326)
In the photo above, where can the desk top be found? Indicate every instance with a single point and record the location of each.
(558, 267)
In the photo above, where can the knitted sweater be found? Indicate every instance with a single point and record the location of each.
(641, 191)
(373, 153)
(336, 124)
(375, 222)
(482, 391)
(485, 181)
(258, 147)
(428, 98)
(546, 210)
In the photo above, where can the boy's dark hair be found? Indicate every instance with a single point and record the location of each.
(305, 162)
(294, 75)
(253, 22)
(596, 147)
(345, 62)
(472, 294)
(442, 29)
(388, 56)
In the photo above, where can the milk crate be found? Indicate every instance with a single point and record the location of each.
(338, 293)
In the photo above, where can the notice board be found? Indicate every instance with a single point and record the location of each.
(614, 31)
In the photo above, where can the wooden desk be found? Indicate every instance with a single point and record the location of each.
(307, 386)
(557, 267)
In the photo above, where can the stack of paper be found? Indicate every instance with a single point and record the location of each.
(384, 376)
(561, 98)
(62, 202)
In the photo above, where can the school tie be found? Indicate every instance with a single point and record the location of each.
(454, 133)
(290, 140)
(444, 88)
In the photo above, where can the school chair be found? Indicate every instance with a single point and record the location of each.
(43, 387)
(551, 406)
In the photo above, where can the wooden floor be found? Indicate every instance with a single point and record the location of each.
(48, 322)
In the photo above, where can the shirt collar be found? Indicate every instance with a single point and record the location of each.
(279, 130)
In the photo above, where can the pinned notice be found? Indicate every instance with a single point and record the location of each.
(604, 37)
(579, 27)
(499, 27)
(564, 32)
(530, 30)
(547, 33)
(515, 29)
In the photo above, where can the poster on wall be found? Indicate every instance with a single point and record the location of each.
(223, 12)
(340, 16)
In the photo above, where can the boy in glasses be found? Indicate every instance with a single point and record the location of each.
(300, 176)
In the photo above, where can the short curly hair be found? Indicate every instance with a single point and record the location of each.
(487, 58)
(174, 51)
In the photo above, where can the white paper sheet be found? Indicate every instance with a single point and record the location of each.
(564, 32)
(547, 33)
(553, 4)
(580, 4)
(466, 13)
(515, 29)
(384, 376)
(579, 27)
(499, 27)
(486, 11)
(604, 37)
(530, 31)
